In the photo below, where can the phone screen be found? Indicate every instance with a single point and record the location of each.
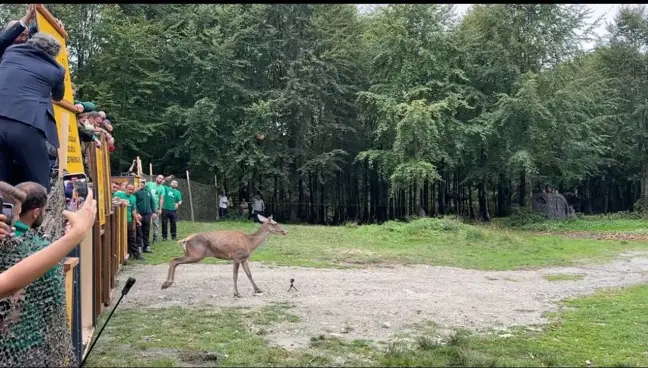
(7, 210)
(76, 190)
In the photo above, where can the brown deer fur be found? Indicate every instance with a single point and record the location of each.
(228, 245)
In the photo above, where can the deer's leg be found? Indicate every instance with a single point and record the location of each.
(246, 268)
(172, 266)
(236, 269)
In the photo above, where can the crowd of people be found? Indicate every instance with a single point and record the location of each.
(251, 210)
(150, 205)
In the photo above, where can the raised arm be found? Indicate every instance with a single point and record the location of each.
(36, 265)
(59, 89)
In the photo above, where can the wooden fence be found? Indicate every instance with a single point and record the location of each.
(90, 269)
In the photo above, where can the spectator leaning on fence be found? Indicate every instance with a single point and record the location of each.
(30, 77)
(132, 219)
(29, 269)
(31, 217)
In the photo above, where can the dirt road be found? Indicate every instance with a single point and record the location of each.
(377, 303)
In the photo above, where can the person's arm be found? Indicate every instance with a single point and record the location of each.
(59, 88)
(36, 265)
(152, 202)
(130, 169)
(8, 37)
(162, 193)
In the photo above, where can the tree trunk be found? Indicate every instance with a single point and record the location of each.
(522, 190)
(483, 200)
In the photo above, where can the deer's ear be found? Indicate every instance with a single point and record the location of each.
(262, 219)
(270, 217)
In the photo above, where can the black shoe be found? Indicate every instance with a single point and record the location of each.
(163, 239)
(138, 257)
(174, 239)
(147, 250)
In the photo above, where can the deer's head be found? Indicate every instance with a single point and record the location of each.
(272, 225)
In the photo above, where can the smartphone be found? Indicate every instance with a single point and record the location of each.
(76, 190)
(7, 210)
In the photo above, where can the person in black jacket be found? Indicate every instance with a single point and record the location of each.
(30, 77)
(18, 31)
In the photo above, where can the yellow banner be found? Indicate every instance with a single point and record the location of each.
(101, 185)
(65, 119)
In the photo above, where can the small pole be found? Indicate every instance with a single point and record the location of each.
(190, 200)
(151, 169)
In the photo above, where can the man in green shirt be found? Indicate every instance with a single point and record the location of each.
(171, 200)
(132, 218)
(145, 208)
(156, 188)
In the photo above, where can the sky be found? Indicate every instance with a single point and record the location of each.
(607, 11)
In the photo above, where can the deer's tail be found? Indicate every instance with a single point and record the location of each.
(184, 242)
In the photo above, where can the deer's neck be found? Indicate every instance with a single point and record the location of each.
(258, 237)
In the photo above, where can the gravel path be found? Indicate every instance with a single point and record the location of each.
(380, 302)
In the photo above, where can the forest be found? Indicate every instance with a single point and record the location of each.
(338, 115)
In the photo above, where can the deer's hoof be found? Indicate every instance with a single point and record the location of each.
(166, 285)
(237, 295)
(258, 292)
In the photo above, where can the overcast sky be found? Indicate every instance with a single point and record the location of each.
(608, 11)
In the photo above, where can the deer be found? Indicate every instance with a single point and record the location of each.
(227, 245)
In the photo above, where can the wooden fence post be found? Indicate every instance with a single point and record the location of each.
(190, 199)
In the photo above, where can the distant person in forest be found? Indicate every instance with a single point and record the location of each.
(171, 200)
(245, 208)
(258, 207)
(223, 203)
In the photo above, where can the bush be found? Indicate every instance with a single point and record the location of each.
(522, 216)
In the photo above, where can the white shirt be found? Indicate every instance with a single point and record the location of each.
(222, 201)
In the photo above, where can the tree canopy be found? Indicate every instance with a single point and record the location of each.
(336, 115)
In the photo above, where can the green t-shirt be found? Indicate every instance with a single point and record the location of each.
(131, 203)
(35, 310)
(171, 197)
(156, 190)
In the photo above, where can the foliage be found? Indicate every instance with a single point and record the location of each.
(401, 110)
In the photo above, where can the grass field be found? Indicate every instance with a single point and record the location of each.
(442, 242)
(604, 329)
(607, 329)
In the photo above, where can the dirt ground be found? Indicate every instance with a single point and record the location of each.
(377, 303)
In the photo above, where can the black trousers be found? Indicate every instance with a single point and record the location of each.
(132, 244)
(27, 147)
(169, 216)
(223, 212)
(144, 231)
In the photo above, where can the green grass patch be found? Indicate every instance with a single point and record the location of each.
(607, 328)
(563, 276)
(600, 223)
(444, 242)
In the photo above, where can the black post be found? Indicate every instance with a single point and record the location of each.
(77, 328)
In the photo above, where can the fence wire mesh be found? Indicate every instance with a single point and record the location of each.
(34, 328)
